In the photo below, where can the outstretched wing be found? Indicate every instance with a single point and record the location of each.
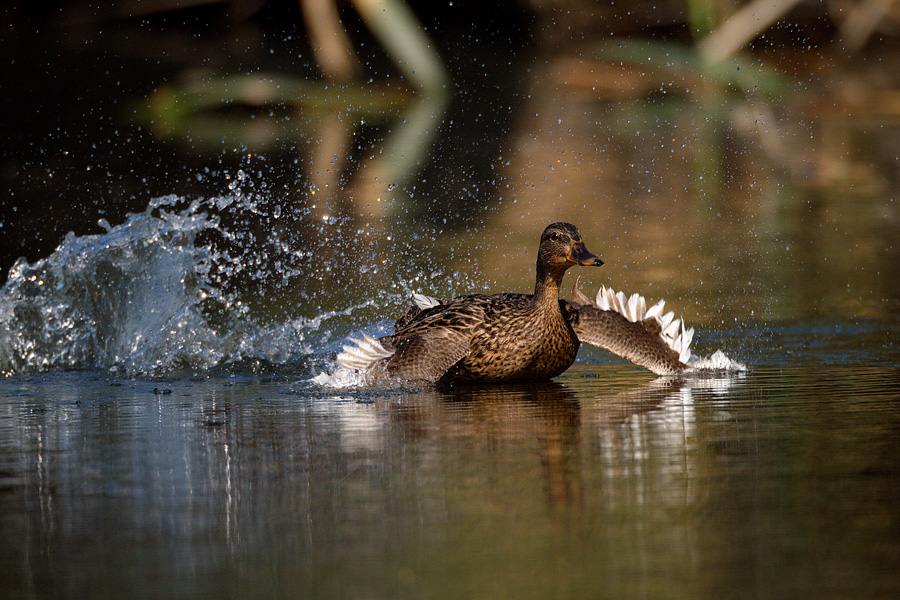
(428, 341)
(626, 328)
(426, 356)
(633, 341)
(435, 339)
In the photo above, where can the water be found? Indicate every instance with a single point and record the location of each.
(604, 483)
(161, 431)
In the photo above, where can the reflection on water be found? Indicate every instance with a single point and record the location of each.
(782, 482)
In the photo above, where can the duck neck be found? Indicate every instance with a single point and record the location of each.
(546, 286)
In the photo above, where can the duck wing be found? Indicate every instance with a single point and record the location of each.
(427, 355)
(628, 329)
(427, 342)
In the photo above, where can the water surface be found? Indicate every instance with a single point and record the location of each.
(607, 482)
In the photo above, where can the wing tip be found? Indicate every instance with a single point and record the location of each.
(362, 354)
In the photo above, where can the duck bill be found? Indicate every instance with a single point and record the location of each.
(580, 256)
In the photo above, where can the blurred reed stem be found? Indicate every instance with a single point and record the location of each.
(702, 17)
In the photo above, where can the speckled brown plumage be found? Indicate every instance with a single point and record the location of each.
(500, 337)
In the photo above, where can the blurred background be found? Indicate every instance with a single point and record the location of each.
(742, 154)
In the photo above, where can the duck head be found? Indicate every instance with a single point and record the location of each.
(562, 247)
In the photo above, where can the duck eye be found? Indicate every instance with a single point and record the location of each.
(554, 236)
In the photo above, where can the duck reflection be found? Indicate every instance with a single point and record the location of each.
(548, 412)
(567, 427)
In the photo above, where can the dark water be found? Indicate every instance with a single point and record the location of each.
(608, 482)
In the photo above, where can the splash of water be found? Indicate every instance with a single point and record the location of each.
(718, 361)
(130, 298)
(149, 296)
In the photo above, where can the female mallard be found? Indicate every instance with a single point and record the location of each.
(506, 337)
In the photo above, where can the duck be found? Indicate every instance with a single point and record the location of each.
(520, 337)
